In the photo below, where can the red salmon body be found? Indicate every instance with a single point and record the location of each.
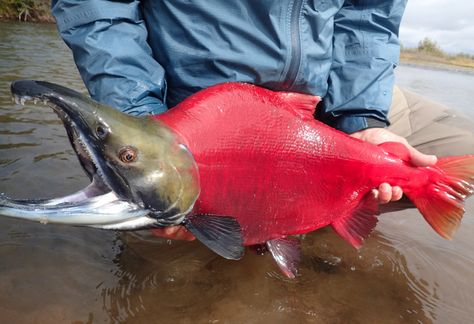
(234, 165)
(264, 160)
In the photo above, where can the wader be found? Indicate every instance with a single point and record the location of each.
(429, 126)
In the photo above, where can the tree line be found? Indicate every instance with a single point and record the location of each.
(432, 48)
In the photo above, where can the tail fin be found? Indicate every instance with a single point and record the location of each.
(441, 202)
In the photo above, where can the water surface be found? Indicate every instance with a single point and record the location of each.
(404, 273)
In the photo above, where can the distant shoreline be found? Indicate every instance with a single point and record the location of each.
(413, 58)
(37, 11)
(436, 66)
(46, 19)
(37, 19)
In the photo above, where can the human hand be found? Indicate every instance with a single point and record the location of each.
(385, 192)
(174, 233)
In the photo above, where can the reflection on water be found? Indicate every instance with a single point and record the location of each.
(186, 282)
(404, 273)
(439, 272)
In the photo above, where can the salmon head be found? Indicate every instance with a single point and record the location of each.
(141, 175)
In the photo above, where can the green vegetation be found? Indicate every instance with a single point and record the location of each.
(429, 53)
(26, 10)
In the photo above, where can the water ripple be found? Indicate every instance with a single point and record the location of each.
(435, 272)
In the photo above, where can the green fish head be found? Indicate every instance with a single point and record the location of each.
(139, 159)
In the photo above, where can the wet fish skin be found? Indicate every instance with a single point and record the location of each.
(265, 160)
(238, 165)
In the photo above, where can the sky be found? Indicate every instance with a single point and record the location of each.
(449, 23)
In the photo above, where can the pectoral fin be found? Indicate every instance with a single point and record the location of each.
(286, 252)
(221, 234)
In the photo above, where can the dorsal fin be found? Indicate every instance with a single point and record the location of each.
(302, 104)
(397, 149)
(356, 227)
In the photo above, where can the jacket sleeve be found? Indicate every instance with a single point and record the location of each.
(365, 52)
(109, 43)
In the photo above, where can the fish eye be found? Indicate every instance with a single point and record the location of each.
(101, 131)
(128, 154)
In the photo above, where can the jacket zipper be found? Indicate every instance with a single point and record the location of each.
(295, 53)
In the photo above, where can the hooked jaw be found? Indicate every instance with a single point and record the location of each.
(108, 201)
(76, 112)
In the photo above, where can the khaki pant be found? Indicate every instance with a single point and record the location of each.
(430, 127)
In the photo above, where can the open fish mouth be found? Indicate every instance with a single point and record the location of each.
(101, 204)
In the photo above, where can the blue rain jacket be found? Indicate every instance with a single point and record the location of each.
(145, 56)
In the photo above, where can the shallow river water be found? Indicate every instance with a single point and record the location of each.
(404, 273)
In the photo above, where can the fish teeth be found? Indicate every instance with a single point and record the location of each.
(21, 100)
(90, 156)
(16, 99)
(85, 150)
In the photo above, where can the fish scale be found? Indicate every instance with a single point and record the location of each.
(265, 160)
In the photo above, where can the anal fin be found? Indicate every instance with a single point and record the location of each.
(356, 227)
(221, 234)
(286, 252)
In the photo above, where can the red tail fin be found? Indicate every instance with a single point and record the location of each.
(441, 202)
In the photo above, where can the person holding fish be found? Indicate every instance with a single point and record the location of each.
(143, 57)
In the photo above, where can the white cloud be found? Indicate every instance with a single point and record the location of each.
(449, 23)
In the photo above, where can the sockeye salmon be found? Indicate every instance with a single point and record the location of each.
(237, 165)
